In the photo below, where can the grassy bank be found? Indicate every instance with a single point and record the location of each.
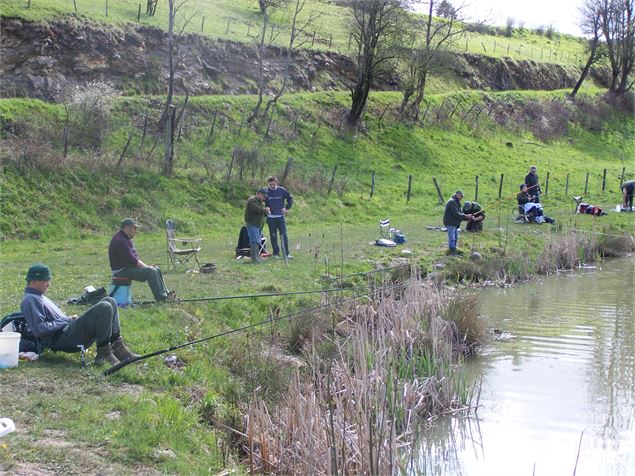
(159, 417)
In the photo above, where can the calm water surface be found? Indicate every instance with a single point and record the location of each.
(567, 375)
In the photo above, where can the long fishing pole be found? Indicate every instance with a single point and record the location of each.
(250, 296)
(125, 363)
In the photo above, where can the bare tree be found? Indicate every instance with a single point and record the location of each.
(439, 36)
(618, 28)
(590, 25)
(297, 29)
(375, 27)
(169, 119)
(267, 7)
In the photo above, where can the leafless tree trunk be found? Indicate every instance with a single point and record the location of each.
(374, 27)
(590, 25)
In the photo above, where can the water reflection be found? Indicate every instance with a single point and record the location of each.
(566, 381)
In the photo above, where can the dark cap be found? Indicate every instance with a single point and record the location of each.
(129, 222)
(264, 191)
(459, 192)
(522, 185)
(38, 272)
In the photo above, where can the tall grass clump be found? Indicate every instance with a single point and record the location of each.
(389, 370)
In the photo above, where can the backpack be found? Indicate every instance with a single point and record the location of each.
(89, 297)
(16, 322)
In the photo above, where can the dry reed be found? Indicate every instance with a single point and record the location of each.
(355, 410)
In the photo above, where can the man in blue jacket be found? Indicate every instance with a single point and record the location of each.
(279, 201)
(56, 330)
(452, 218)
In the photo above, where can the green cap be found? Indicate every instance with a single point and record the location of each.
(129, 222)
(38, 272)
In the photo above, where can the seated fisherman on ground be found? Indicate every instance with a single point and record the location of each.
(255, 213)
(125, 262)
(628, 190)
(478, 215)
(56, 330)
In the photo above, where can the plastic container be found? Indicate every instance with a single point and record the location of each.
(6, 426)
(9, 349)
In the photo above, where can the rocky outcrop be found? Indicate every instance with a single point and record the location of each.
(42, 59)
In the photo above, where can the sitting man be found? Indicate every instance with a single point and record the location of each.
(56, 330)
(523, 196)
(628, 190)
(478, 215)
(125, 262)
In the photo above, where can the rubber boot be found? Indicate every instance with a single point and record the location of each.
(122, 352)
(105, 355)
(255, 254)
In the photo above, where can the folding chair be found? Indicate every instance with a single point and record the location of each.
(384, 229)
(243, 249)
(186, 256)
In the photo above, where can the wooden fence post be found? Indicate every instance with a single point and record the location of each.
(586, 183)
(439, 194)
(547, 184)
(123, 153)
(622, 177)
(313, 38)
(604, 181)
(106, 7)
(248, 28)
(476, 190)
(287, 170)
(138, 12)
(331, 40)
(500, 187)
(350, 38)
(372, 184)
(75, 5)
(566, 187)
(202, 23)
(231, 166)
(332, 179)
(228, 22)
(409, 188)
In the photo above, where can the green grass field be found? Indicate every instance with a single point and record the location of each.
(240, 21)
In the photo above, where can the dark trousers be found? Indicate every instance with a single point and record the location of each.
(98, 324)
(152, 275)
(275, 225)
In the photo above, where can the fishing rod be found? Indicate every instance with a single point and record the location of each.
(292, 315)
(500, 201)
(250, 296)
(378, 270)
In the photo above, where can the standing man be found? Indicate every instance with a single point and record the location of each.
(125, 262)
(255, 214)
(452, 218)
(628, 190)
(533, 186)
(279, 201)
(56, 330)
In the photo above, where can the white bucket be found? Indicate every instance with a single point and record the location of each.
(9, 349)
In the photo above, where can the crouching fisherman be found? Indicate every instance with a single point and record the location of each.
(478, 215)
(56, 330)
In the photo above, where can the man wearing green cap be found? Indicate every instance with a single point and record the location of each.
(125, 262)
(255, 213)
(56, 330)
(452, 218)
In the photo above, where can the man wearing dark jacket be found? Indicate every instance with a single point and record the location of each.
(533, 186)
(125, 262)
(56, 330)
(452, 218)
(628, 190)
(255, 213)
(279, 201)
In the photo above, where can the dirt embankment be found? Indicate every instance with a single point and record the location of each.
(41, 59)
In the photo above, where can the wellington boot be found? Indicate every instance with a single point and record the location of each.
(105, 356)
(255, 254)
(122, 352)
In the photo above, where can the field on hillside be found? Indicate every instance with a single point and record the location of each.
(240, 21)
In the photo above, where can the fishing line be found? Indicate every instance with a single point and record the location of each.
(269, 321)
(250, 296)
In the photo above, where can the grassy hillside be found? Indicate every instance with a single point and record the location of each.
(239, 20)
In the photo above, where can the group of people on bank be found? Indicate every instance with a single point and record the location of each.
(474, 214)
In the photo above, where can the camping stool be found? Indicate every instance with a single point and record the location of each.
(120, 290)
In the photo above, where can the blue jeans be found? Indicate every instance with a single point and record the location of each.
(453, 237)
(254, 234)
(276, 224)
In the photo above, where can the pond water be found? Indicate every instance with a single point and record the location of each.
(563, 384)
